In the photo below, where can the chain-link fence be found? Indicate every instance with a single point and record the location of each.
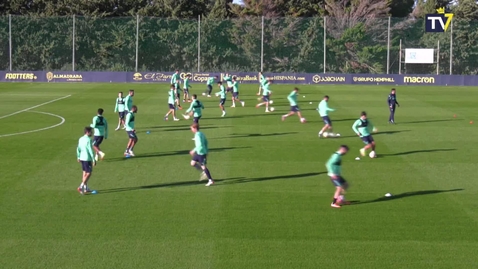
(306, 45)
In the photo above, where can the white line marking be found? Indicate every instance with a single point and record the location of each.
(41, 129)
(26, 109)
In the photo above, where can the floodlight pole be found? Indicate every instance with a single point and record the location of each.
(438, 57)
(400, 58)
(388, 45)
(199, 43)
(137, 42)
(325, 42)
(451, 48)
(73, 45)
(10, 39)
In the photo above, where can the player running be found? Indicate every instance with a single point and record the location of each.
(235, 92)
(199, 154)
(261, 80)
(186, 87)
(222, 93)
(362, 128)
(209, 83)
(265, 95)
(128, 101)
(324, 109)
(100, 126)
(334, 170)
(133, 139)
(392, 103)
(195, 110)
(294, 108)
(120, 108)
(171, 103)
(84, 155)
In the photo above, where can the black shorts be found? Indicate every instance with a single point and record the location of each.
(367, 139)
(201, 159)
(229, 89)
(186, 90)
(87, 166)
(294, 108)
(222, 102)
(209, 87)
(171, 106)
(338, 182)
(178, 95)
(131, 135)
(97, 140)
(196, 119)
(235, 94)
(121, 115)
(327, 120)
(265, 98)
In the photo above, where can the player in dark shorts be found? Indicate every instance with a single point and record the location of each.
(334, 171)
(130, 130)
(85, 156)
(120, 108)
(392, 104)
(199, 154)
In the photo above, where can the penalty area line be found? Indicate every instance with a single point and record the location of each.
(26, 109)
(41, 129)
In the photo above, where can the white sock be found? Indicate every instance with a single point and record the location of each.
(321, 132)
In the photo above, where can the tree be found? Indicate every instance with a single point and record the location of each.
(401, 8)
(465, 34)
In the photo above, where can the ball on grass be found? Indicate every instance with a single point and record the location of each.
(271, 109)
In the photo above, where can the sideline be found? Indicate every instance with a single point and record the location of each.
(41, 129)
(26, 109)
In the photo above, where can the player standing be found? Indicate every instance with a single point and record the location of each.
(265, 95)
(362, 128)
(334, 170)
(186, 87)
(171, 103)
(133, 139)
(392, 103)
(222, 93)
(235, 92)
(324, 109)
(84, 155)
(129, 101)
(209, 83)
(199, 154)
(195, 109)
(175, 80)
(100, 126)
(294, 108)
(120, 107)
(261, 79)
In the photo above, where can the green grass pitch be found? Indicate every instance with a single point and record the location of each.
(270, 206)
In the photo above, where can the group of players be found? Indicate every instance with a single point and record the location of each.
(89, 152)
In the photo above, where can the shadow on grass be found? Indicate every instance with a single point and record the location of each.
(375, 134)
(170, 153)
(414, 152)
(234, 180)
(174, 129)
(248, 116)
(426, 121)
(404, 195)
(254, 135)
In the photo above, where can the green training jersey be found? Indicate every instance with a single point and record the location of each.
(175, 78)
(324, 108)
(334, 164)
(235, 86)
(211, 80)
(84, 151)
(128, 102)
(266, 89)
(261, 79)
(363, 127)
(292, 98)
(100, 125)
(222, 92)
(200, 142)
(186, 83)
(129, 121)
(171, 97)
(196, 107)
(120, 105)
(264, 82)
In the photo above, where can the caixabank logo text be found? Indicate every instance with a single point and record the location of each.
(438, 23)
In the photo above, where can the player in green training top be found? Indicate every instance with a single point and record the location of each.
(334, 170)
(294, 108)
(222, 93)
(100, 126)
(120, 108)
(210, 82)
(176, 80)
(128, 101)
(195, 110)
(235, 92)
(261, 79)
(186, 87)
(265, 95)
(199, 154)
(363, 128)
(228, 79)
(133, 139)
(85, 156)
(171, 103)
(324, 109)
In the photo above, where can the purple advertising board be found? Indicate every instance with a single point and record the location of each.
(243, 77)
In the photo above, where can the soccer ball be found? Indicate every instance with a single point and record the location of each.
(271, 108)
(302, 120)
(325, 134)
(271, 102)
(372, 154)
(185, 116)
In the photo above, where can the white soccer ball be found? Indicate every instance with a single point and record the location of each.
(271, 102)
(186, 117)
(302, 120)
(325, 134)
(372, 154)
(271, 109)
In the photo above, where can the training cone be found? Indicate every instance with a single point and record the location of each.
(454, 116)
(471, 122)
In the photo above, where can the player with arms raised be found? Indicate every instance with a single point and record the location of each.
(195, 110)
(324, 109)
(334, 170)
(120, 108)
(199, 154)
(100, 126)
(84, 155)
(266, 92)
(133, 139)
(294, 108)
(392, 103)
(362, 128)
(235, 92)
(222, 93)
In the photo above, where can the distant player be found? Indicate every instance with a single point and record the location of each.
(324, 109)
(334, 170)
(363, 127)
(171, 103)
(100, 125)
(210, 82)
(195, 109)
(392, 103)
(228, 80)
(266, 92)
(85, 156)
(175, 80)
(120, 108)
(133, 139)
(261, 80)
(222, 93)
(186, 87)
(294, 108)
(199, 154)
(128, 101)
(235, 92)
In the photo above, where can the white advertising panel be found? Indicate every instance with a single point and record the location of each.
(419, 56)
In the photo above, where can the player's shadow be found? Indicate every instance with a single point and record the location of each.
(162, 127)
(345, 120)
(375, 134)
(174, 129)
(170, 153)
(240, 180)
(247, 116)
(414, 152)
(403, 195)
(253, 135)
(426, 121)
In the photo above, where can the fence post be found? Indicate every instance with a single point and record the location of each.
(137, 42)
(388, 45)
(400, 58)
(199, 43)
(451, 48)
(73, 45)
(262, 44)
(438, 57)
(325, 42)
(10, 39)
